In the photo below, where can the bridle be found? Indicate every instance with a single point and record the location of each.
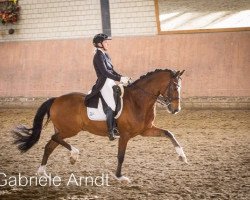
(169, 98)
(163, 100)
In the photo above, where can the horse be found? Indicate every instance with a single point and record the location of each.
(69, 116)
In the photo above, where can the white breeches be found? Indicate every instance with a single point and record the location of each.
(108, 93)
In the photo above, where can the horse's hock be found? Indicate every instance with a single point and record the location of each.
(189, 103)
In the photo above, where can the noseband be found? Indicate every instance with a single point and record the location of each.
(167, 100)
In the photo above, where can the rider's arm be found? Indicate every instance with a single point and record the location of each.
(100, 64)
(114, 72)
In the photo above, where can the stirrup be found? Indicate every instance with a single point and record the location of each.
(114, 135)
(116, 131)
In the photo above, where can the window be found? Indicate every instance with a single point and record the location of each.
(186, 16)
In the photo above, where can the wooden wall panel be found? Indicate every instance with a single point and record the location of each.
(216, 64)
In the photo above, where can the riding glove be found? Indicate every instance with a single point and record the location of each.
(125, 80)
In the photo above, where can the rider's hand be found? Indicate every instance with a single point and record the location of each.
(125, 80)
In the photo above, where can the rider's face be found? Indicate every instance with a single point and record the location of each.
(105, 44)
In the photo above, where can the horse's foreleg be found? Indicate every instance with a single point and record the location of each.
(121, 154)
(157, 132)
(49, 148)
(74, 152)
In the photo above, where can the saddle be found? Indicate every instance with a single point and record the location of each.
(97, 114)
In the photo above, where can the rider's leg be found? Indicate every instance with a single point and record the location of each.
(109, 107)
(110, 114)
(113, 132)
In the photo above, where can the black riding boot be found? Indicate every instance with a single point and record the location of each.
(112, 129)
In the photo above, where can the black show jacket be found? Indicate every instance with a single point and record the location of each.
(104, 69)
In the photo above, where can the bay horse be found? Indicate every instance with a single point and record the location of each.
(69, 116)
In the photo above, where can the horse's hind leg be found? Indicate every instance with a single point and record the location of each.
(49, 148)
(74, 152)
(157, 132)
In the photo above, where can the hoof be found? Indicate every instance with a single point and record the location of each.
(181, 154)
(123, 179)
(42, 172)
(74, 154)
(183, 159)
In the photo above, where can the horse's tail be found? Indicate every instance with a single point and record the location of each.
(25, 137)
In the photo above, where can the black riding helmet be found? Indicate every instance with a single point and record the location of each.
(99, 38)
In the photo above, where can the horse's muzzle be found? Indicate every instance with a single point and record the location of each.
(173, 110)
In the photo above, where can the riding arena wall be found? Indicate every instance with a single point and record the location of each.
(51, 52)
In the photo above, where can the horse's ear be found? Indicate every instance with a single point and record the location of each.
(181, 72)
(176, 74)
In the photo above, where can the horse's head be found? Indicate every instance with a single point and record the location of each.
(172, 93)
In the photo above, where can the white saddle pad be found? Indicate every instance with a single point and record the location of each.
(97, 114)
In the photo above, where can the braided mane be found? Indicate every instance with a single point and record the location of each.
(172, 72)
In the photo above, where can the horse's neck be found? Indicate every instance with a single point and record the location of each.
(154, 84)
(146, 91)
(139, 101)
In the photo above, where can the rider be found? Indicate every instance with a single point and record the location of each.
(106, 77)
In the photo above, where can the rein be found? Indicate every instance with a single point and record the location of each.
(159, 99)
(165, 101)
